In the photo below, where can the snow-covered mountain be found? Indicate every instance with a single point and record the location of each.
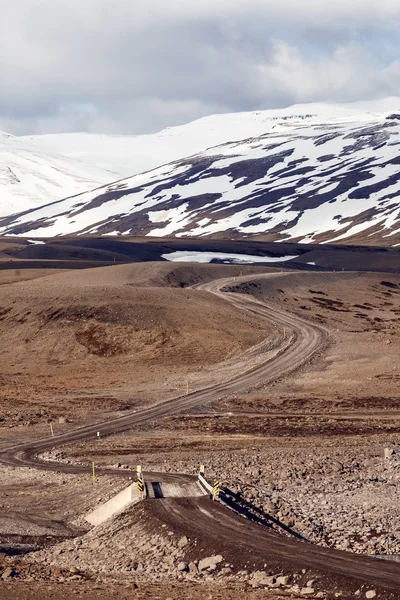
(38, 169)
(310, 173)
(30, 176)
(128, 155)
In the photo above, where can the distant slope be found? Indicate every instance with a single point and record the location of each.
(308, 179)
(128, 155)
(30, 177)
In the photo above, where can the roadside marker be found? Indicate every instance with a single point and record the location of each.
(51, 429)
(284, 332)
(98, 435)
(201, 470)
(140, 482)
(93, 471)
(187, 387)
(216, 489)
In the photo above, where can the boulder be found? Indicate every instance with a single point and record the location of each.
(210, 562)
(193, 570)
(74, 570)
(270, 582)
(8, 573)
(307, 591)
(183, 542)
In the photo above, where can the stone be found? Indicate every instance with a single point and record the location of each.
(183, 542)
(282, 580)
(306, 591)
(269, 582)
(182, 566)
(9, 572)
(193, 570)
(370, 594)
(210, 562)
(255, 473)
(74, 570)
(269, 507)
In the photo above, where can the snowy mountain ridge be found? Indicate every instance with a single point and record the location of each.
(314, 173)
(30, 177)
(128, 155)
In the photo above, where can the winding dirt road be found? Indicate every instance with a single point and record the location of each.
(297, 347)
(243, 542)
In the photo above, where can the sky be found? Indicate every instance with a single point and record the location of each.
(130, 67)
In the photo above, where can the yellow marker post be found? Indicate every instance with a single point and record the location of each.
(140, 481)
(202, 470)
(216, 490)
(187, 387)
(93, 472)
(51, 429)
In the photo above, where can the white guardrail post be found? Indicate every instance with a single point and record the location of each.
(209, 488)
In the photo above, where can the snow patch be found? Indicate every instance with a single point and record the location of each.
(206, 257)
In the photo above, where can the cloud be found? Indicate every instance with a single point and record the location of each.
(129, 66)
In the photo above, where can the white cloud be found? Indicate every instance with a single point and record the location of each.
(133, 66)
(348, 73)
